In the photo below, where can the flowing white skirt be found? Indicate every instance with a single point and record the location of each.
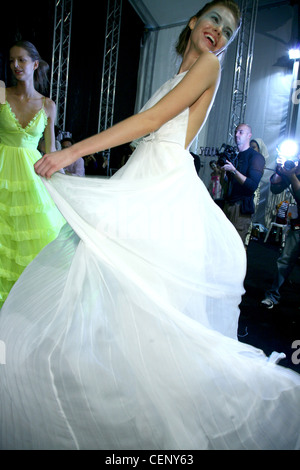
(122, 333)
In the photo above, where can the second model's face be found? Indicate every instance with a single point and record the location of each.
(213, 30)
(21, 64)
(254, 146)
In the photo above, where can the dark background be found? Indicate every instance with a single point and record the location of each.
(34, 21)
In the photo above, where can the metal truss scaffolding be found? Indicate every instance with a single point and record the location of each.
(109, 69)
(60, 59)
(243, 65)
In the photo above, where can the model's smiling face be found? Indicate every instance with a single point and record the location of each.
(213, 30)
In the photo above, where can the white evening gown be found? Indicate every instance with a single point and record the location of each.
(122, 333)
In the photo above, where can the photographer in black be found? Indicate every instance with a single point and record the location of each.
(243, 176)
(287, 174)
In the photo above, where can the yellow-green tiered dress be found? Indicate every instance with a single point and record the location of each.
(29, 219)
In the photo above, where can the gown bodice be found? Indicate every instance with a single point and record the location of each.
(13, 134)
(173, 131)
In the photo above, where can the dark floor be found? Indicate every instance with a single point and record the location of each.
(276, 329)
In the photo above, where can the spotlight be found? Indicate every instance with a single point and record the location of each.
(287, 152)
(294, 54)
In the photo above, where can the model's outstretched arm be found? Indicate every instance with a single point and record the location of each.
(202, 76)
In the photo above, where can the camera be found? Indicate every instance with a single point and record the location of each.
(226, 152)
(289, 164)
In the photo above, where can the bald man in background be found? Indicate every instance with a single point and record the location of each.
(243, 178)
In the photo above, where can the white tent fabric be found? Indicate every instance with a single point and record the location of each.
(159, 61)
(269, 91)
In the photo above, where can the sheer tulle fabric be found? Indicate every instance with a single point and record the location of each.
(121, 334)
(29, 218)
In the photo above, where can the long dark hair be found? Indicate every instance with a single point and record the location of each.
(186, 32)
(41, 73)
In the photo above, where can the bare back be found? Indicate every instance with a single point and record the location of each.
(198, 114)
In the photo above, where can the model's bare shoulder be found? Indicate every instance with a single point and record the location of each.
(204, 73)
(208, 62)
(50, 107)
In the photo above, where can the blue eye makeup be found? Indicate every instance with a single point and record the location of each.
(218, 19)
